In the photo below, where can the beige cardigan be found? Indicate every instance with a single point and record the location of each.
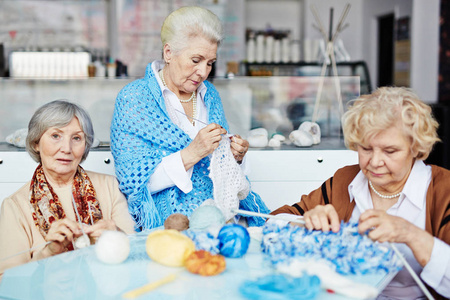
(18, 231)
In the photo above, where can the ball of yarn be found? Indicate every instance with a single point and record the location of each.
(81, 242)
(204, 263)
(234, 240)
(112, 247)
(177, 221)
(206, 216)
(169, 247)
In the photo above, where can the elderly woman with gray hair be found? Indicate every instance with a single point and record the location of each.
(166, 125)
(44, 217)
(392, 193)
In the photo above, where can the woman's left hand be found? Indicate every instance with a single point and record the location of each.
(97, 229)
(239, 147)
(387, 228)
(384, 227)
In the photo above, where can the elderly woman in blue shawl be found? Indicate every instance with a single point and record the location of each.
(159, 137)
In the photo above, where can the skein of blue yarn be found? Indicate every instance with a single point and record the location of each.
(234, 240)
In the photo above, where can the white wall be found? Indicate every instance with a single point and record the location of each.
(425, 49)
(280, 14)
(351, 36)
(424, 40)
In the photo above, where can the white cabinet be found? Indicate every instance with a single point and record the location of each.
(279, 176)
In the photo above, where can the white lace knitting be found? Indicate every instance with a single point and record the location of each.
(229, 181)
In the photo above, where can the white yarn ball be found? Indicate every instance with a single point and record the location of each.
(301, 138)
(258, 131)
(258, 141)
(279, 137)
(112, 247)
(313, 128)
(81, 242)
(274, 143)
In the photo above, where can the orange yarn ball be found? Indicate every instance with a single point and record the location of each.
(204, 263)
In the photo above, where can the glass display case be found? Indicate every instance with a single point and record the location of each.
(278, 104)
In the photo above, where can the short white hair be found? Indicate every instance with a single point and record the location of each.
(188, 22)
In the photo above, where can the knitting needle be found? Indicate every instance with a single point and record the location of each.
(25, 251)
(293, 219)
(408, 268)
(411, 271)
(149, 287)
(79, 220)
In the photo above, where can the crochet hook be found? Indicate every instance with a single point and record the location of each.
(192, 118)
(293, 219)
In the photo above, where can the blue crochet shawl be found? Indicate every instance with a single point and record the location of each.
(141, 135)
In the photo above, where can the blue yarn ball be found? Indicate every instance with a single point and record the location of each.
(205, 217)
(234, 240)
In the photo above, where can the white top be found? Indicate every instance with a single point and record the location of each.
(171, 171)
(410, 206)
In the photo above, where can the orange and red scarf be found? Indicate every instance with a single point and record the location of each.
(46, 207)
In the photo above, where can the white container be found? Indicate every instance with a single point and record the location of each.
(251, 48)
(260, 48)
(268, 49)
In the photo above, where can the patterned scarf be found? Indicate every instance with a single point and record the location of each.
(46, 207)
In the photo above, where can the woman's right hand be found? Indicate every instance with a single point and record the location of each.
(206, 141)
(61, 233)
(322, 217)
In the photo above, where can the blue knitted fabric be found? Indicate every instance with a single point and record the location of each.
(141, 135)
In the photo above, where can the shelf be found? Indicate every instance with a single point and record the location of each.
(351, 68)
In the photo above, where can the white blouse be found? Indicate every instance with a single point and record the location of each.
(171, 172)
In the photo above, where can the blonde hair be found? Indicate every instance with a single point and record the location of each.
(370, 114)
(188, 22)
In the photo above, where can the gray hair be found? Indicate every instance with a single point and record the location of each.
(58, 113)
(188, 22)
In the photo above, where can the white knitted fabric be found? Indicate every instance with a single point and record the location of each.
(229, 181)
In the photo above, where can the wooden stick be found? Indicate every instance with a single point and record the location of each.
(149, 287)
(293, 219)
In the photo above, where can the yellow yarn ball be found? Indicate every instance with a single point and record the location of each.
(169, 247)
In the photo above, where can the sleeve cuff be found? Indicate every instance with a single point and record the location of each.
(171, 172)
(174, 168)
(434, 271)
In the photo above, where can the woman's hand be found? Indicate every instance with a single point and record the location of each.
(239, 147)
(96, 230)
(61, 233)
(383, 227)
(206, 141)
(322, 217)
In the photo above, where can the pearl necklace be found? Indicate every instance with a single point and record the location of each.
(161, 74)
(193, 98)
(381, 195)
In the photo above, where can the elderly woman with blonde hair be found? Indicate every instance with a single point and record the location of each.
(44, 217)
(391, 192)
